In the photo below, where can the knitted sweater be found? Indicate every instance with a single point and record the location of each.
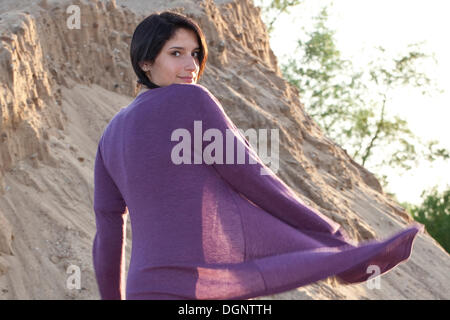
(204, 229)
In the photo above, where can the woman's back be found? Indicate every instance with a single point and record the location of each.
(209, 231)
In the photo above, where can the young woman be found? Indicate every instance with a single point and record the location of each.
(204, 224)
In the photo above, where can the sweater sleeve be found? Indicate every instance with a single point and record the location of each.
(252, 178)
(110, 238)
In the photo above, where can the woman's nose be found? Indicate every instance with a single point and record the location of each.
(192, 64)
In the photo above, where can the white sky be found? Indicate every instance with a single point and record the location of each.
(393, 24)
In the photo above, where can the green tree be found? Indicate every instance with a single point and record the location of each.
(351, 106)
(271, 10)
(434, 213)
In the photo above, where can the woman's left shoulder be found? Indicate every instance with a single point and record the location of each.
(193, 88)
(192, 93)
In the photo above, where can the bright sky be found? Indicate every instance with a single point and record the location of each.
(365, 24)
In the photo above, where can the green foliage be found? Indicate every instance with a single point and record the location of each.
(351, 106)
(271, 10)
(434, 213)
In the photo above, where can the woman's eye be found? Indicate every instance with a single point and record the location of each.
(196, 54)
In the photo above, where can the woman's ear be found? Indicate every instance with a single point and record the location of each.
(145, 66)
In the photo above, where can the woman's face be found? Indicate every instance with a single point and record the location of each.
(177, 62)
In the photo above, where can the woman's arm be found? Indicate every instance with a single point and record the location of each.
(265, 190)
(110, 238)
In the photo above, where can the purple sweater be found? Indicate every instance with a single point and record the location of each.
(210, 231)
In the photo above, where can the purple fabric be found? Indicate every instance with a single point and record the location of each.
(210, 231)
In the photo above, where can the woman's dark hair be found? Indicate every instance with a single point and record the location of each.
(153, 32)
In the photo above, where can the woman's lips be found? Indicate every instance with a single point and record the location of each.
(187, 79)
